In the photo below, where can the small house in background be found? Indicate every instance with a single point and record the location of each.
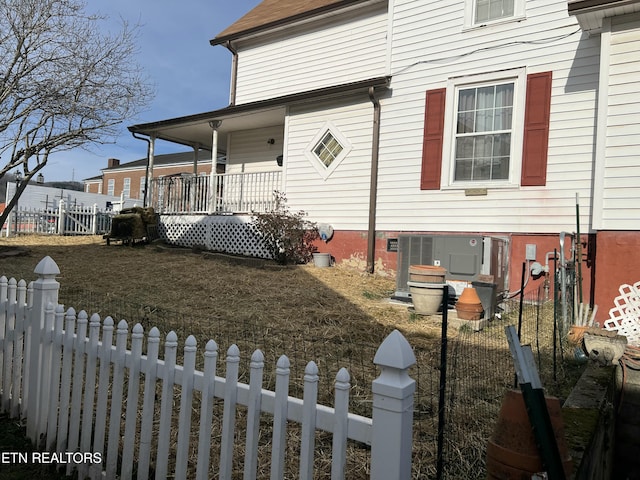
(128, 179)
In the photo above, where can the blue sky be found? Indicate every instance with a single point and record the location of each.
(190, 76)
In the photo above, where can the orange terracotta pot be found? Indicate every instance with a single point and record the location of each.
(576, 334)
(512, 452)
(427, 273)
(469, 312)
(469, 306)
(469, 296)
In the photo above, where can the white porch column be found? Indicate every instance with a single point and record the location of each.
(214, 124)
(196, 150)
(152, 142)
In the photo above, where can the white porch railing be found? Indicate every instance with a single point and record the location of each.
(65, 374)
(229, 193)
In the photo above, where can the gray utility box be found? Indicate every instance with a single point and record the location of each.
(465, 257)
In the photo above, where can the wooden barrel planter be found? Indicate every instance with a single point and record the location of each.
(512, 453)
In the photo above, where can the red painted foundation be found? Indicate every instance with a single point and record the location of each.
(608, 260)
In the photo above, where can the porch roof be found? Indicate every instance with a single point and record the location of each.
(590, 13)
(195, 130)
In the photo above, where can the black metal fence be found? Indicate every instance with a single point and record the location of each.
(461, 377)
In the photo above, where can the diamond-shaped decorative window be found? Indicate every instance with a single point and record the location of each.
(327, 149)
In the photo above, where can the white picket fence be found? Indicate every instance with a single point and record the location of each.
(65, 376)
(65, 220)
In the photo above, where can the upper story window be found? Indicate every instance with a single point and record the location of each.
(126, 191)
(489, 130)
(483, 132)
(483, 12)
(327, 149)
(143, 180)
(488, 10)
(111, 187)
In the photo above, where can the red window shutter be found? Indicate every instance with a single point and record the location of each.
(536, 129)
(432, 140)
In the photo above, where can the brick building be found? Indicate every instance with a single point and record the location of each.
(128, 179)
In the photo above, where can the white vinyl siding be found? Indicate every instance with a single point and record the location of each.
(342, 198)
(430, 46)
(619, 176)
(251, 150)
(343, 49)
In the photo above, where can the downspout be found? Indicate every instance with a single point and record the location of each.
(234, 72)
(146, 172)
(373, 187)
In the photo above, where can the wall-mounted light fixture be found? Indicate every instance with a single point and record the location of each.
(40, 179)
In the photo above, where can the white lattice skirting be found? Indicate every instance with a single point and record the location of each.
(625, 316)
(232, 234)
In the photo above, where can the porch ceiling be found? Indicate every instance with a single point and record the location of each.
(195, 130)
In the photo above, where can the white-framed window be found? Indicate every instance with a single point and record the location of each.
(484, 121)
(126, 189)
(483, 12)
(327, 149)
(111, 187)
(143, 180)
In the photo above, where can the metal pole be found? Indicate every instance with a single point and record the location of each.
(524, 269)
(443, 384)
(555, 313)
(578, 250)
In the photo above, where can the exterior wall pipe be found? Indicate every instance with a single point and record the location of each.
(373, 186)
(234, 72)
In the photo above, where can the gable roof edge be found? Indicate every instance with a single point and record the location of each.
(222, 39)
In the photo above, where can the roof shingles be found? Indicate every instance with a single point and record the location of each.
(270, 12)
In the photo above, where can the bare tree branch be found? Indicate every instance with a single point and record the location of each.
(64, 83)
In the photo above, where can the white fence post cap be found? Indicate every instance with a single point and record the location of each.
(47, 267)
(395, 352)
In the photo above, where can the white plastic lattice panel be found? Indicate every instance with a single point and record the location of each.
(232, 234)
(624, 318)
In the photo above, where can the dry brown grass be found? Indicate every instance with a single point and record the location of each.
(338, 308)
(327, 301)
